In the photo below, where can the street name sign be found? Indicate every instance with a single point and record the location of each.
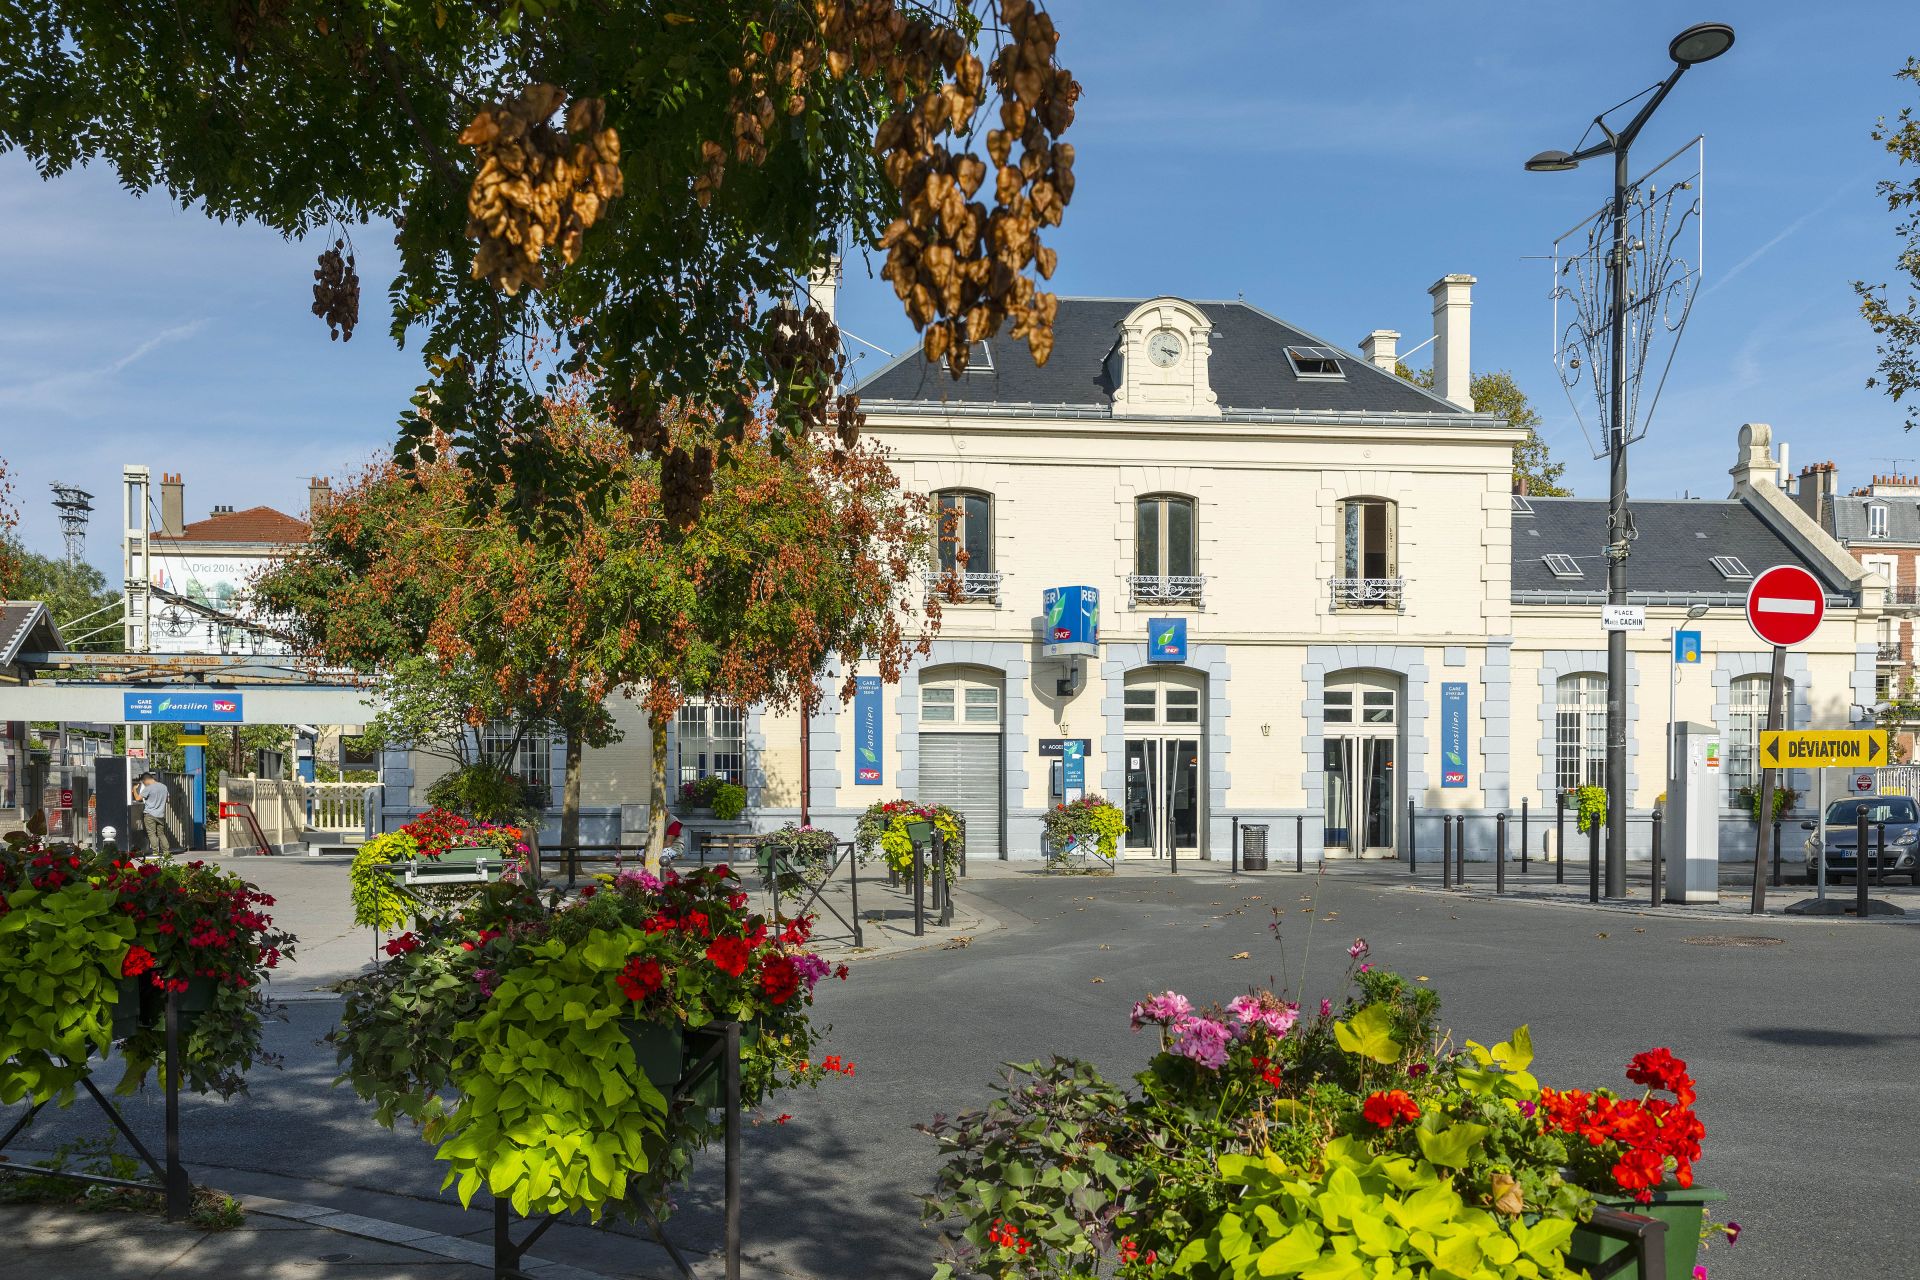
(1785, 605)
(1822, 748)
(1623, 617)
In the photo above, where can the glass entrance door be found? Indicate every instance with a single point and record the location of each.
(1163, 796)
(1360, 794)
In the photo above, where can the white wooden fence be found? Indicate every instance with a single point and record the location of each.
(289, 811)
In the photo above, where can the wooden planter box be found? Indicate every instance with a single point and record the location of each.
(1682, 1211)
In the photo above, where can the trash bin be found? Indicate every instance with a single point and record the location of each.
(1253, 846)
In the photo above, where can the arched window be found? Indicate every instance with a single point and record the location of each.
(1164, 565)
(1580, 731)
(1748, 711)
(1368, 555)
(966, 542)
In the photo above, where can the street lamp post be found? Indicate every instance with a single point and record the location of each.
(1699, 43)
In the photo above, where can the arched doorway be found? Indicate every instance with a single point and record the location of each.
(1361, 713)
(1164, 711)
(961, 756)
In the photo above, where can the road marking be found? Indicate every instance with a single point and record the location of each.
(1780, 604)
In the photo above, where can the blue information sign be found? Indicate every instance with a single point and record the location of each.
(181, 708)
(1072, 622)
(868, 735)
(1073, 768)
(1686, 646)
(1166, 639)
(1453, 733)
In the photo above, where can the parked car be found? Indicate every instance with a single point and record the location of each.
(1902, 818)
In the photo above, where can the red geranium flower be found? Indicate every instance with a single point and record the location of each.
(729, 955)
(779, 979)
(1389, 1108)
(138, 961)
(640, 979)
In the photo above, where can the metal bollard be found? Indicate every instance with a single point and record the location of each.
(1500, 854)
(1659, 862)
(1560, 838)
(1235, 846)
(1776, 854)
(1446, 851)
(1593, 858)
(1523, 835)
(1860, 865)
(1460, 852)
(919, 892)
(853, 894)
(1413, 841)
(1300, 843)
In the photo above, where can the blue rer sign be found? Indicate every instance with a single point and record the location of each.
(1453, 733)
(181, 708)
(1166, 639)
(868, 733)
(1072, 622)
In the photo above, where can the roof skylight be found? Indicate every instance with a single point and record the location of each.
(1315, 362)
(1562, 566)
(1732, 568)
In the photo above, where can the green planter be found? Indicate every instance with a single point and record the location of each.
(1684, 1213)
(194, 1001)
(126, 1012)
(666, 1052)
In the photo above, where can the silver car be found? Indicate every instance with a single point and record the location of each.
(1902, 818)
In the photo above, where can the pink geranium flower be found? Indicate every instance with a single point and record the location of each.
(1203, 1040)
(1263, 1010)
(1163, 1008)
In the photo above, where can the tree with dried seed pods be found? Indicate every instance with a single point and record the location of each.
(621, 181)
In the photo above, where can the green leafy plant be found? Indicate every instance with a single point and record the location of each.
(1092, 819)
(1590, 806)
(1784, 801)
(729, 801)
(486, 792)
(60, 957)
(102, 1158)
(375, 903)
(884, 826)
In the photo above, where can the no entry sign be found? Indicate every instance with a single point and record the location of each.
(1785, 605)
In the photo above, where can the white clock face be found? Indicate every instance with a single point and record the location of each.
(1164, 347)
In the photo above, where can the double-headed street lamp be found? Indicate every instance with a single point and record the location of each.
(1700, 43)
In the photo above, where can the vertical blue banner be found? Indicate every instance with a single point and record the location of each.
(868, 736)
(1453, 733)
(1073, 768)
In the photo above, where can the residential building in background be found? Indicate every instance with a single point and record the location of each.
(1880, 525)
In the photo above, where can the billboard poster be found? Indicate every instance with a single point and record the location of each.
(1453, 733)
(1166, 639)
(213, 582)
(1072, 622)
(181, 708)
(868, 735)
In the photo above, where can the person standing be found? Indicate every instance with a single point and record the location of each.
(152, 795)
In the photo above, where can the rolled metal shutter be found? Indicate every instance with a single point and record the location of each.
(962, 771)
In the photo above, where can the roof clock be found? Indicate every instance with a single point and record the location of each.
(1159, 365)
(1164, 348)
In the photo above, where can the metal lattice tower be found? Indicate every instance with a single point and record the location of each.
(76, 506)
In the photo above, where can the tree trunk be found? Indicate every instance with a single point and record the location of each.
(657, 810)
(570, 802)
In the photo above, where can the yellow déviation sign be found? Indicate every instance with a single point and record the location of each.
(193, 739)
(1819, 748)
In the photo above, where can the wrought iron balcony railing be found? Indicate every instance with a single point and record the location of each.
(1369, 593)
(1165, 588)
(1889, 651)
(970, 586)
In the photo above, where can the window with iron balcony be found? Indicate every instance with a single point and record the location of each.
(1164, 570)
(965, 555)
(1368, 557)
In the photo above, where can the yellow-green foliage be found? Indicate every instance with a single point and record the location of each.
(60, 956)
(375, 903)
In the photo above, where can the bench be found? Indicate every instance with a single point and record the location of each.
(737, 844)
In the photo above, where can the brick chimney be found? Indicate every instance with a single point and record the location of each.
(1382, 348)
(173, 508)
(319, 493)
(1453, 339)
(1815, 493)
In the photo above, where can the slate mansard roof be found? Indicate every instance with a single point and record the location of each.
(1903, 520)
(1672, 556)
(1248, 368)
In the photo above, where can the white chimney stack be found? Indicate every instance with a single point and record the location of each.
(1786, 472)
(823, 286)
(1382, 348)
(1453, 339)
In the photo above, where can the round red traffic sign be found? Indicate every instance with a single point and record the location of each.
(1785, 604)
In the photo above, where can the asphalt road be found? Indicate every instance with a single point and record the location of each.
(1804, 1050)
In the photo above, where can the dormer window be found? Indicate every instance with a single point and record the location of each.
(1877, 521)
(1315, 362)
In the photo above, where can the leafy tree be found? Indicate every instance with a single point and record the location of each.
(75, 593)
(1497, 393)
(626, 180)
(9, 550)
(1897, 322)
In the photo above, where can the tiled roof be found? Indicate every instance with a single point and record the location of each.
(1248, 368)
(1673, 554)
(22, 622)
(255, 524)
(1850, 520)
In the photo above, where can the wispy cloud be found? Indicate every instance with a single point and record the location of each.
(59, 390)
(1832, 199)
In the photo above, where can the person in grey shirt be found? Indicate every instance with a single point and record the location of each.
(151, 817)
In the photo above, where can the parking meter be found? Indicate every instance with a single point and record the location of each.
(1693, 866)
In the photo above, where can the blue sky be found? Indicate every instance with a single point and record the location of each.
(1328, 163)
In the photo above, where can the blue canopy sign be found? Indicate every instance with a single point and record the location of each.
(181, 708)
